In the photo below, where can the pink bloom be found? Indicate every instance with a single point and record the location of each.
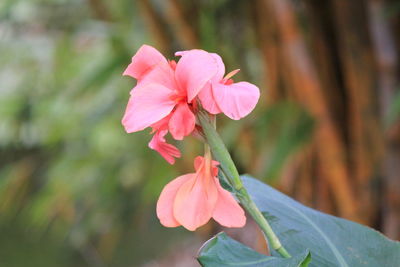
(164, 97)
(166, 89)
(191, 200)
(221, 94)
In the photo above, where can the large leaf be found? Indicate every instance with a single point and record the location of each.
(332, 241)
(222, 250)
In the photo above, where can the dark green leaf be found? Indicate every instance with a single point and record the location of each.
(221, 250)
(224, 182)
(332, 241)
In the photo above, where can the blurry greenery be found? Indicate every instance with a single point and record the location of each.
(393, 113)
(68, 167)
(75, 189)
(283, 129)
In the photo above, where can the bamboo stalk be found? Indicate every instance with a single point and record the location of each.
(387, 68)
(156, 26)
(269, 45)
(359, 74)
(305, 82)
(183, 30)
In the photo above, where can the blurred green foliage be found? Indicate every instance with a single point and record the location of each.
(75, 189)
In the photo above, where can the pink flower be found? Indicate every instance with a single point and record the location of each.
(166, 90)
(191, 200)
(221, 94)
(165, 95)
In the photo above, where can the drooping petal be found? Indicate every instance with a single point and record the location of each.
(227, 211)
(161, 124)
(182, 122)
(207, 100)
(166, 200)
(194, 70)
(147, 105)
(143, 61)
(167, 151)
(195, 201)
(236, 100)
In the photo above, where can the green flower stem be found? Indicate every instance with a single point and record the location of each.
(221, 154)
(252, 209)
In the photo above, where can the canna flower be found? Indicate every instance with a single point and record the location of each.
(221, 94)
(163, 98)
(191, 200)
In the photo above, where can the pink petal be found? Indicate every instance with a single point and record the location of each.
(207, 100)
(161, 73)
(147, 105)
(143, 61)
(218, 60)
(236, 100)
(165, 202)
(227, 211)
(182, 122)
(194, 70)
(205, 95)
(195, 201)
(167, 151)
(161, 124)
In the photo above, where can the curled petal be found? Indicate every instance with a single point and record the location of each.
(236, 100)
(227, 211)
(143, 61)
(193, 71)
(182, 122)
(221, 68)
(195, 201)
(167, 151)
(146, 108)
(165, 202)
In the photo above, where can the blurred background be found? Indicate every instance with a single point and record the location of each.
(76, 190)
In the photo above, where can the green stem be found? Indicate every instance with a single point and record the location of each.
(252, 209)
(221, 154)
